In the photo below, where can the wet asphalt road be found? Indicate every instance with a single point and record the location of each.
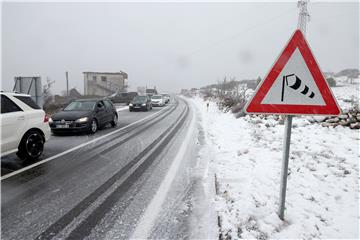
(61, 143)
(98, 191)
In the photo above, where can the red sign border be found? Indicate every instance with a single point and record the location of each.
(330, 108)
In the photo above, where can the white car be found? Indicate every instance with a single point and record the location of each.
(166, 96)
(157, 100)
(24, 126)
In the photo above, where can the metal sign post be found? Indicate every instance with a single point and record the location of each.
(303, 18)
(285, 164)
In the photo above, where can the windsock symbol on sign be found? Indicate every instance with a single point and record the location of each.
(295, 83)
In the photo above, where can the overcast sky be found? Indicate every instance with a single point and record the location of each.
(170, 45)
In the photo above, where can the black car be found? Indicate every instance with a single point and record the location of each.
(84, 116)
(123, 97)
(142, 103)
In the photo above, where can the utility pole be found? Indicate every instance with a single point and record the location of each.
(304, 17)
(67, 83)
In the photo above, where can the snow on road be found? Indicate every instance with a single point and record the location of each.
(323, 188)
(146, 222)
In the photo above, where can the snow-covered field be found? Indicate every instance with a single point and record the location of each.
(345, 92)
(323, 183)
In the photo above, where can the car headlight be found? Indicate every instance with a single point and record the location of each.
(130, 104)
(144, 104)
(50, 120)
(82, 120)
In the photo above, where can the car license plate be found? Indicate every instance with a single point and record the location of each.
(62, 126)
(137, 107)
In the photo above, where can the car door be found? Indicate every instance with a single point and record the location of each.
(109, 110)
(13, 124)
(101, 112)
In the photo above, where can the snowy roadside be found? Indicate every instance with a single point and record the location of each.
(323, 190)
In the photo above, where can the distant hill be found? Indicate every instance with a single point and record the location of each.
(229, 85)
(350, 73)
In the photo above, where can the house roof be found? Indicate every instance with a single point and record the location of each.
(149, 90)
(109, 73)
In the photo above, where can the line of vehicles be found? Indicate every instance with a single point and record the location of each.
(25, 127)
(145, 103)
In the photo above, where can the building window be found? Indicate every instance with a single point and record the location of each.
(103, 78)
(94, 78)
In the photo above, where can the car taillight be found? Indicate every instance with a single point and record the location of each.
(46, 118)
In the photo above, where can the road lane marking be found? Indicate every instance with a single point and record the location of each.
(9, 152)
(144, 226)
(122, 108)
(79, 146)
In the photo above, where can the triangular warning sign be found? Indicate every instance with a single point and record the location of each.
(295, 85)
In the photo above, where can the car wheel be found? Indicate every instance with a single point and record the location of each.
(93, 126)
(114, 121)
(31, 146)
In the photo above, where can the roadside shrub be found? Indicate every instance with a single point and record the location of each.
(52, 108)
(331, 81)
(238, 109)
(225, 104)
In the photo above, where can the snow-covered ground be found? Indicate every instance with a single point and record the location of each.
(323, 183)
(345, 92)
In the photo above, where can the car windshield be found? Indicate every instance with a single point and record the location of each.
(81, 106)
(156, 97)
(139, 99)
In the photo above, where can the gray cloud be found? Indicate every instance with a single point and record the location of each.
(170, 45)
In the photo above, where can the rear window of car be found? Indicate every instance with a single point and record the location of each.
(28, 101)
(8, 106)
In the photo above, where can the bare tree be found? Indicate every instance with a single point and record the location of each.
(47, 95)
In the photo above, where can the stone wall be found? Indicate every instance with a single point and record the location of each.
(350, 118)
